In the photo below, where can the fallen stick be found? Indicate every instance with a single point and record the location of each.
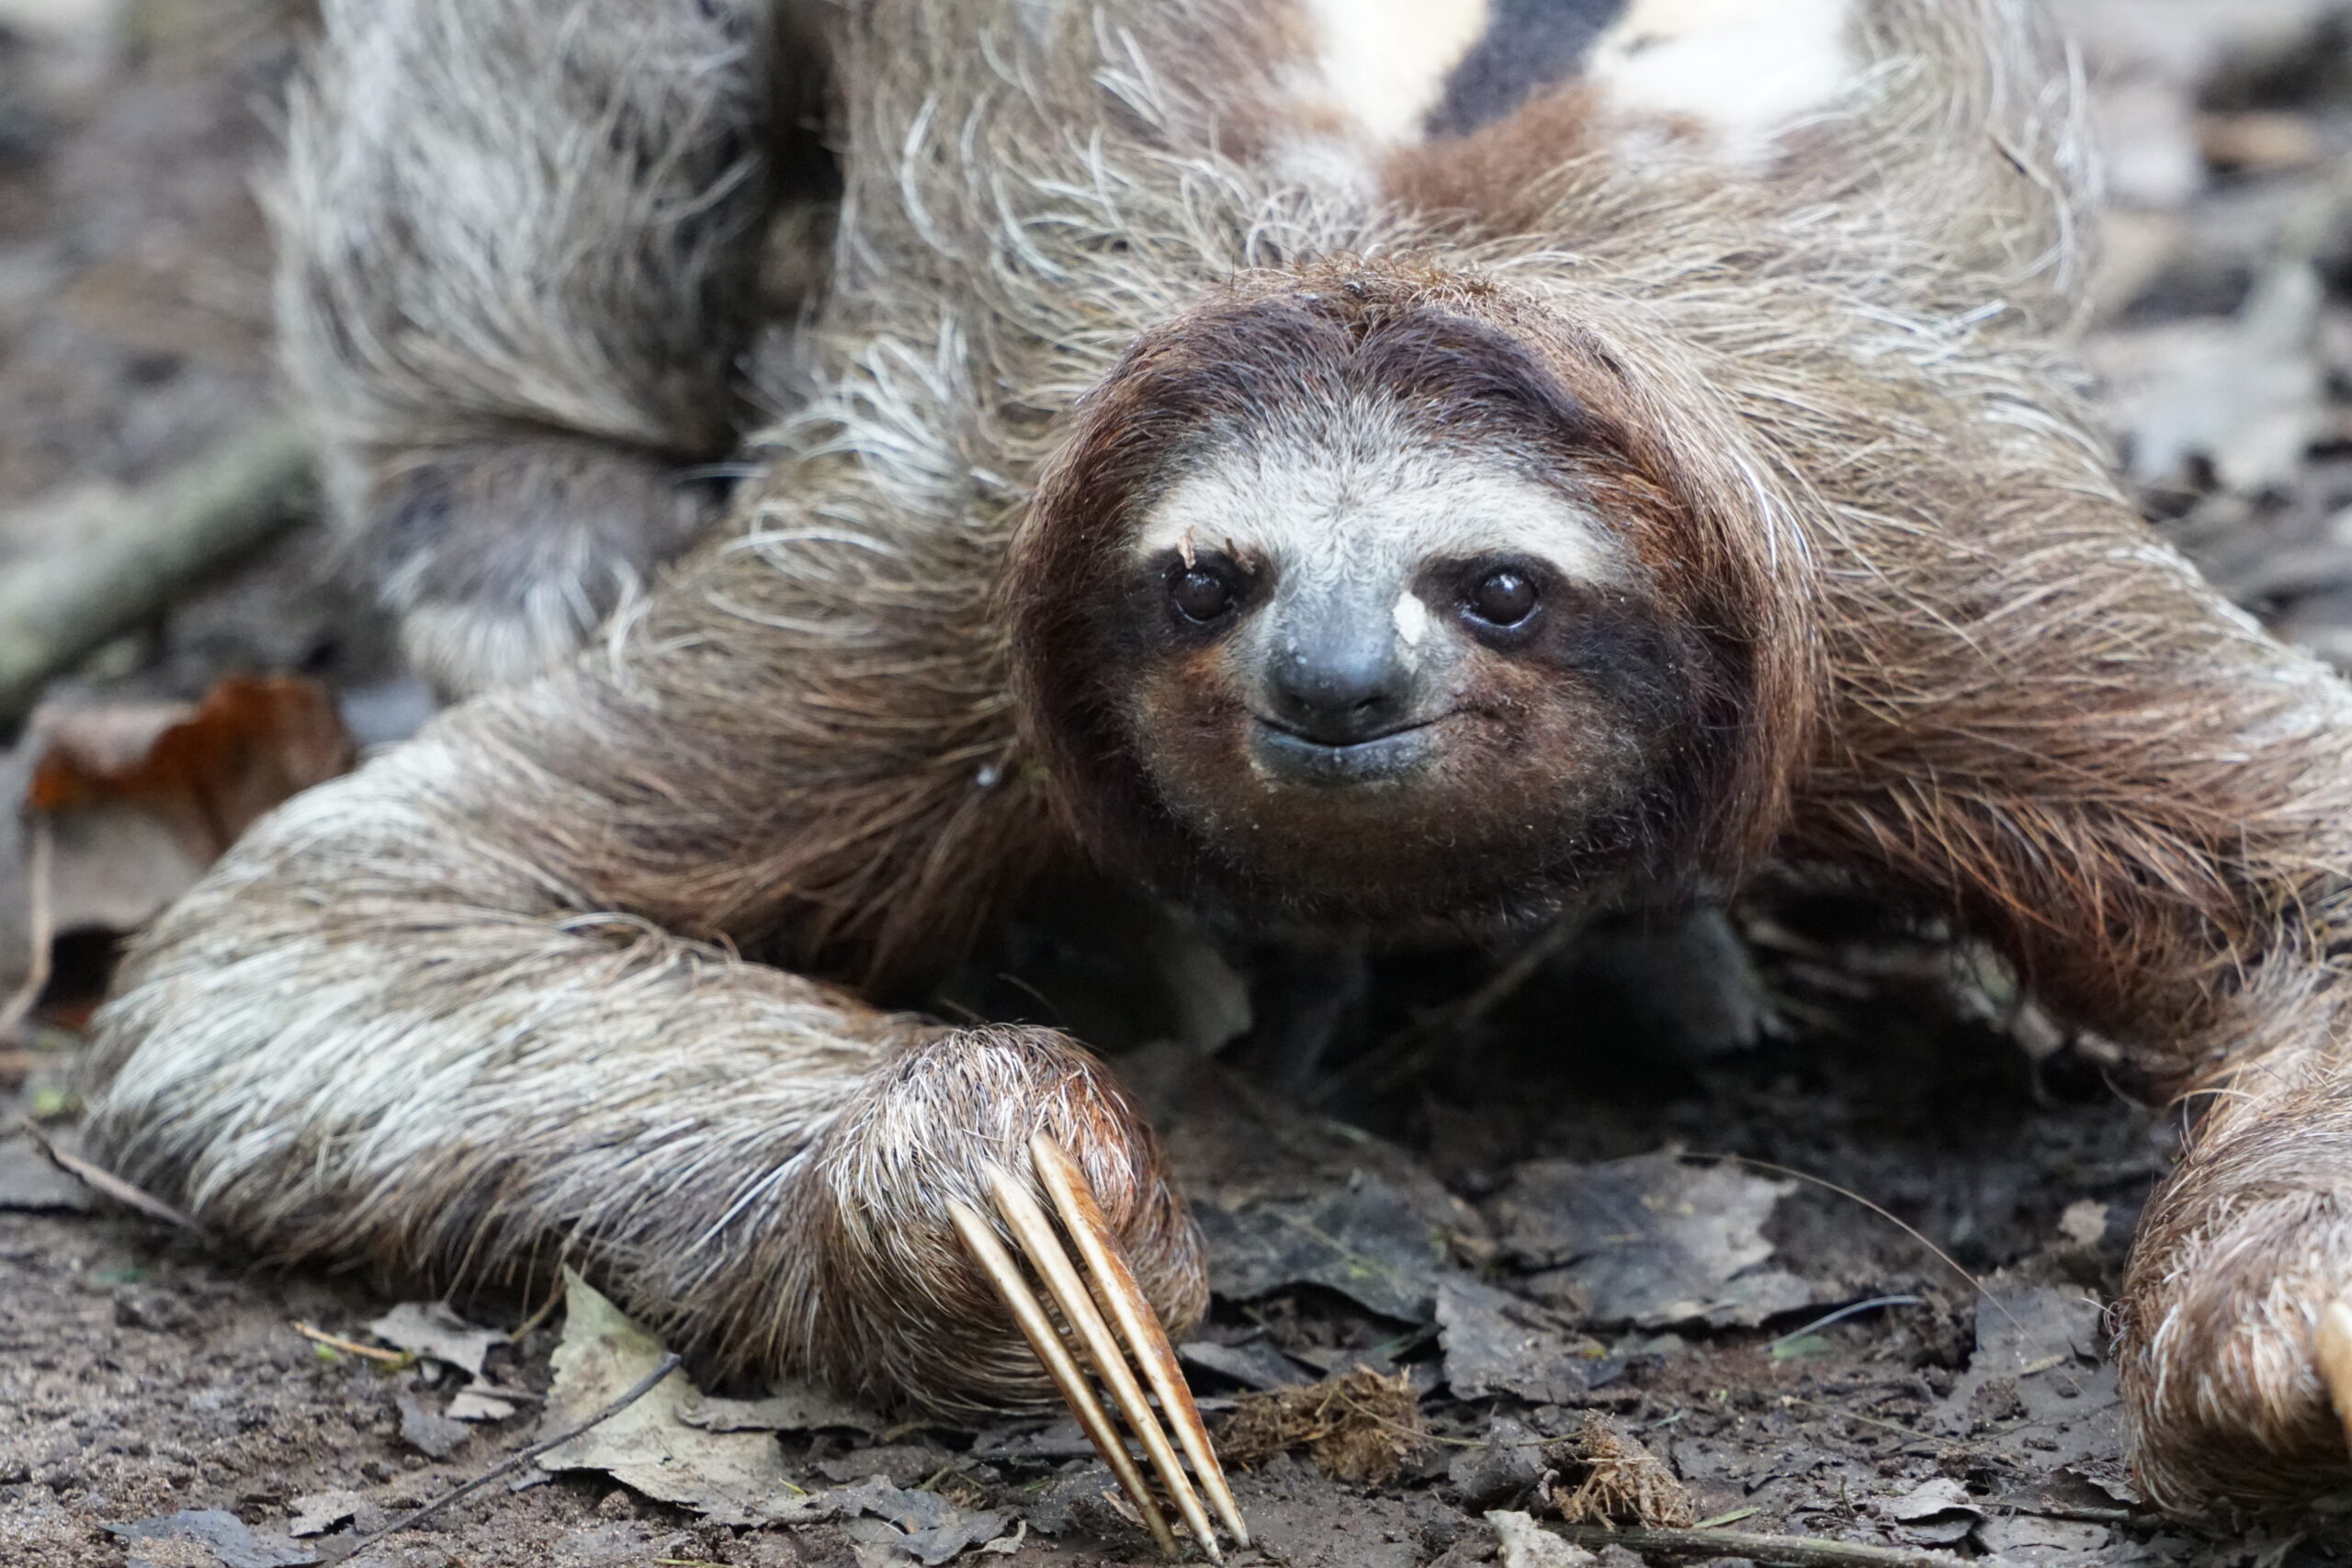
(397, 1358)
(1766, 1550)
(108, 575)
(514, 1462)
(105, 1183)
(38, 865)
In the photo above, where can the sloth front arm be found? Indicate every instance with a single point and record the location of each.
(473, 1007)
(2044, 716)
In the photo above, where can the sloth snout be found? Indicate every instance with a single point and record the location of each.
(1340, 689)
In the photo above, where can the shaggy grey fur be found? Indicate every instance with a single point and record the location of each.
(518, 245)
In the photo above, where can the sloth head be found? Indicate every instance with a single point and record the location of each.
(1357, 597)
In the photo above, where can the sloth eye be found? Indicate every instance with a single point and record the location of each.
(1201, 591)
(1503, 598)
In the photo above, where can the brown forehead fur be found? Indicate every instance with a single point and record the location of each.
(1466, 360)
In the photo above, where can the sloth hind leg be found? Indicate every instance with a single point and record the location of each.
(519, 260)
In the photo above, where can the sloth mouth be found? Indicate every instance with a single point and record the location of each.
(1286, 754)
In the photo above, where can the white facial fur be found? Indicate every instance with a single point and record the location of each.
(1384, 62)
(1362, 522)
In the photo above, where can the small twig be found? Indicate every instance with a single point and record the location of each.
(353, 1347)
(2078, 1514)
(109, 573)
(514, 1462)
(1768, 1550)
(38, 862)
(1401, 1055)
(105, 1183)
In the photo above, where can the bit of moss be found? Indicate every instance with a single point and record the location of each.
(1359, 1427)
(1601, 1476)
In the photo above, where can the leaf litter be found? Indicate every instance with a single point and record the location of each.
(1650, 1241)
(728, 1474)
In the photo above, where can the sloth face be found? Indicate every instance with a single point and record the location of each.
(1359, 677)
(1369, 598)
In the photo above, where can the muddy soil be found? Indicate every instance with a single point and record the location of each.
(1900, 1343)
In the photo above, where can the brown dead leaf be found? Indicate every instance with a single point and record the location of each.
(207, 771)
(125, 807)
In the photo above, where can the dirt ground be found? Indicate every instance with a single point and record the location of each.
(1805, 1202)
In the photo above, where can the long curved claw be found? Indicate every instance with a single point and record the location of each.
(1030, 1314)
(1116, 1288)
(1090, 1304)
(2335, 1346)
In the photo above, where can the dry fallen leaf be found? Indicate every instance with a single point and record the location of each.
(902, 1522)
(1526, 1544)
(125, 807)
(1650, 1241)
(2246, 395)
(1935, 1513)
(1363, 1238)
(427, 1430)
(209, 1535)
(790, 1407)
(315, 1513)
(735, 1478)
(1495, 1343)
(207, 770)
(430, 1328)
(30, 1181)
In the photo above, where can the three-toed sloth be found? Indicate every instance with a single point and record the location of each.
(1395, 470)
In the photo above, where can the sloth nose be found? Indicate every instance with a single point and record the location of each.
(1338, 690)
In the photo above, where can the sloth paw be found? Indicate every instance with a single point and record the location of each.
(501, 557)
(2236, 1356)
(904, 1308)
(989, 1227)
